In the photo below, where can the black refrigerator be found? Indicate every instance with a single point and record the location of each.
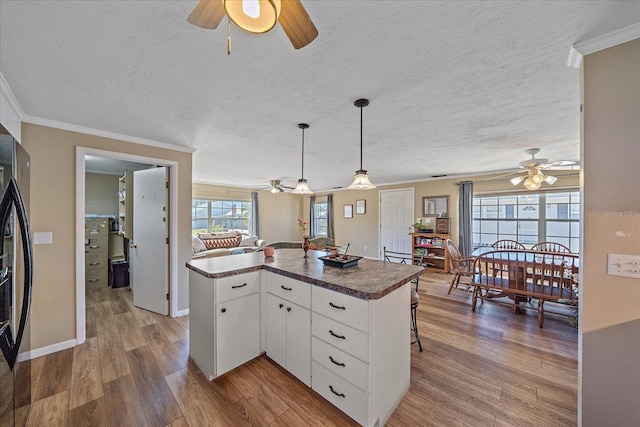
(16, 273)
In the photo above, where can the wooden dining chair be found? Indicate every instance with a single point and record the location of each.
(407, 258)
(461, 266)
(507, 244)
(558, 248)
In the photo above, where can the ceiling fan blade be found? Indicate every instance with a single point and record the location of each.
(207, 14)
(296, 24)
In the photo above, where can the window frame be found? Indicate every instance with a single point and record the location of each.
(320, 222)
(245, 218)
(511, 211)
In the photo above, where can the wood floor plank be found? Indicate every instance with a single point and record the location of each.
(113, 360)
(194, 403)
(103, 315)
(56, 374)
(172, 329)
(159, 405)
(261, 397)
(91, 414)
(221, 390)
(91, 329)
(51, 411)
(180, 422)
(123, 404)
(86, 377)
(130, 334)
(241, 413)
(166, 354)
(118, 304)
(289, 419)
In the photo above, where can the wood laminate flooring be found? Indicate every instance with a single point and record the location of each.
(488, 368)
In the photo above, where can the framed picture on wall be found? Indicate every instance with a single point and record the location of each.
(348, 211)
(361, 207)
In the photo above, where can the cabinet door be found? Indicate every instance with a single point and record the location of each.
(299, 342)
(237, 332)
(276, 330)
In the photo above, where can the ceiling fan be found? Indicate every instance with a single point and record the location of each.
(533, 167)
(275, 186)
(257, 16)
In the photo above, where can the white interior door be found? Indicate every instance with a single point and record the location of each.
(149, 248)
(396, 217)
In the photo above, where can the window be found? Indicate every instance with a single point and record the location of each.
(216, 216)
(319, 219)
(528, 218)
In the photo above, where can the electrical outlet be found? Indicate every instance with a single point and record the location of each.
(623, 265)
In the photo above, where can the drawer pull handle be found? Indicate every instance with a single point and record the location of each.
(339, 307)
(342, 337)
(285, 288)
(239, 286)
(335, 392)
(94, 263)
(94, 247)
(93, 280)
(336, 363)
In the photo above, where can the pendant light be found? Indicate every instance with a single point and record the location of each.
(302, 187)
(361, 179)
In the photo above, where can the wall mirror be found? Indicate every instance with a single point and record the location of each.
(437, 206)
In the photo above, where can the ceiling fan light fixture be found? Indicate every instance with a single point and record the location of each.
(517, 180)
(531, 185)
(536, 176)
(276, 190)
(550, 179)
(302, 187)
(361, 179)
(253, 16)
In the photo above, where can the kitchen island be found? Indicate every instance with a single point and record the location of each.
(342, 331)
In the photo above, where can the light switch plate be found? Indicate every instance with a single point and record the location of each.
(623, 265)
(43, 238)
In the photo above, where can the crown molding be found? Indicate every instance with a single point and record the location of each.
(11, 99)
(105, 134)
(605, 41)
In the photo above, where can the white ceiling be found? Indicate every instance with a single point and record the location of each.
(456, 87)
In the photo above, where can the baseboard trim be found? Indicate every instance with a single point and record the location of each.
(181, 313)
(43, 351)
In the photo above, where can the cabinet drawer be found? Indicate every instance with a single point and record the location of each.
(340, 363)
(228, 288)
(341, 336)
(289, 289)
(96, 225)
(96, 276)
(348, 398)
(95, 244)
(343, 308)
(95, 260)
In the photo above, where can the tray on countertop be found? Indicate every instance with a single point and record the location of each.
(340, 261)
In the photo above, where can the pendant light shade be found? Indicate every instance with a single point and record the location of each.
(302, 187)
(361, 179)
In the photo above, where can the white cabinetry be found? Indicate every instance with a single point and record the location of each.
(361, 352)
(228, 333)
(288, 325)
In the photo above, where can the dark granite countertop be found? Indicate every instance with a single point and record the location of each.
(370, 279)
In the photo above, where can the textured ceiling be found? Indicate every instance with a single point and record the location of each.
(456, 87)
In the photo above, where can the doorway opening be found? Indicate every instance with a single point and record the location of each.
(81, 208)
